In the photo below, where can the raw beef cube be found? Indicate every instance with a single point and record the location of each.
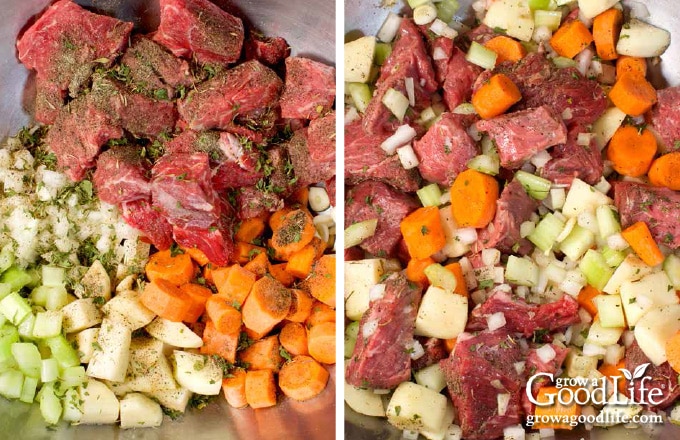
(572, 160)
(306, 169)
(434, 349)
(121, 176)
(309, 90)
(140, 214)
(269, 51)
(201, 30)
(216, 242)
(321, 139)
(460, 76)
(666, 117)
(252, 202)
(662, 377)
(48, 101)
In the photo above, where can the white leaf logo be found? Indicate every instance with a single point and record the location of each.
(640, 371)
(626, 373)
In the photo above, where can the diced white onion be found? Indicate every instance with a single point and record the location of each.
(376, 292)
(542, 34)
(584, 59)
(584, 316)
(614, 354)
(588, 22)
(445, 198)
(370, 327)
(573, 283)
(495, 321)
(526, 228)
(546, 353)
(498, 275)
(540, 159)
(410, 91)
(408, 157)
(557, 197)
(567, 114)
(396, 102)
(514, 432)
(466, 235)
(442, 29)
(491, 257)
(617, 242)
(568, 227)
(628, 338)
(474, 133)
(438, 54)
(410, 435)
(584, 139)
(603, 185)
(590, 349)
(496, 383)
(519, 366)
(389, 28)
(522, 291)
(402, 136)
(424, 14)
(416, 349)
(502, 399)
(351, 115)
(453, 432)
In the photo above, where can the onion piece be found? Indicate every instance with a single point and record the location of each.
(376, 292)
(370, 326)
(408, 157)
(410, 91)
(540, 159)
(402, 136)
(546, 353)
(519, 367)
(584, 59)
(389, 28)
(495, 321)
(466, 235)
(351, 115)
(503, 399)
(358, 232)
(438, 54)
(416, 350)
(440, 28)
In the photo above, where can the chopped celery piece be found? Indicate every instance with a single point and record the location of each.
(672, 268)
(396, 102)
(11, 382)
(446, 9)
(595, 269)
(539, 4)
(577, 242)
(6, 257)
(49, 370)
(63, 352)
(441, 277)
(549, 19)
(8, 336)
(26, 327)
(415, 3)
(564, 62)
(28, 358)
(613, 257)
(18, 278)
(536, 187)
(489, 147)
(50, 405)
(485, 164)
(73, 376)
(607, 221)
(15, 308)
(351, 333)
(481, 56)
(53, 276)
(358, 232)
(5, 289)
(28, 389)
(430, 195)
(58, 298)
(40, 294)
(546, 232)
(361, 95)
(382, 51)
(465, 108)
(47, 324)
(521, 271)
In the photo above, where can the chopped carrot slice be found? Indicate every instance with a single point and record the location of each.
(633, 65)
(665, 171)
(293, 338)
(303, 378)
(632, 94)
(640, 239)
(224, 315)
(166, 300)
(423, 232)
(632, 151)
(321, 342)
(300, 306)
(263, 354)
(267, 304)
(571, 38)
(473, 199)
(260, 388)
(177, 269)
(506, 48)
(234, 388)
(606, 30)
(198, 295)
(495, 96)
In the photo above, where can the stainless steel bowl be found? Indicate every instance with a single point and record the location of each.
(309, 27)
(364, 17)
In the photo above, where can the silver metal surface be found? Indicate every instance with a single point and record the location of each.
(364, 17)
(309, 27)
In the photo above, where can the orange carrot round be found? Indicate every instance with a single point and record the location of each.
(321, 282)
(640, 240)
(197, 255)
(303, 378)
(198, 295)
(300, 262)
(665, 171)
(249, 229)
(178, 269)
(632, 151)
(497, 95)
(606, 29)
(233, 283)
(258, 264)
(423, 232)
(264, 354)
(166, 300)
(585, 299)
(293, 338)
(612, 371)
(300, 306)
(321, 342)
(473, 199)
(221, 344)
(415, 270)
(266, 305)
(320, 313)
(506, 48)
(260, 388)
(634, 65)
(224, 315)
(294, 232)
(571, 38)
(632, 94)
(673, 352)
(234, 388)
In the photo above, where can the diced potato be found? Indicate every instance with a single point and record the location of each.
(138, 411)
(440, 434)
(605, 127)
(359, 59)
(127, 309)
(603, 336)
(85, 342)
(631, 269)
(592, 8)
(197, 373)
(99, 404)
(176, 400)
(416, 408)
(512, 15)
(364, 401)
(579, 365)
(453, 247)
(610, 310)
(176, 334)
(360, 276)
(431, 377)
(656, 327)
(112, 355)
(95, 283)
(149, 370)
(583, 197)
(640, 39)
(441, 314)
(80, 315)
(639, 296)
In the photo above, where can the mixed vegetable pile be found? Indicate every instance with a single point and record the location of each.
(624, 279)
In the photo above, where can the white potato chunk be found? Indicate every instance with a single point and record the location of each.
(138, 411)
(639, 296)
(441, 314)
(631, 268)
(360, 276)
(512, 15)
(364, 401)
(656, 327)
(583, 197)
(359, 59)
(416, 408)
(127, 309)
(593, 8)
(432, 377)
(197, 373)
(80, 315)
(640, 39)
(176, 334)
(112, 355)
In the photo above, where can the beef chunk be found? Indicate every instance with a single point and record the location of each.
(513, 208)
(435, 351)
(522, 134)
(658, 207)
(364, 159)
(479, 368)
(216, 242)
(371, 199)
(666, 117)
(542, 83)
(662, 377)
(309, 90)
(62, 46)
(534, 365)
(572, 160)
(252, 202)
(140, 214)
(522, 317)
(306, 169)
(321, 139)
(269, 51)
(460, 76)
(182, 190)
(154, 71)
(121, 176)
(201, 30)
(442, 47)
(381, 359)
(481, 34)
(445, 150)
(246, 89)
(48, 101)
(408, 59)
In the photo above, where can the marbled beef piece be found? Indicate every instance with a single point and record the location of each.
(570, 160)
(200, 30)
(62, 46)
(321, 139)
(441, 51)
(524, 318)
(248, 89)
(434, 349)
(666, 118)
(658, 207)
(460, 76)
(252, 202)
(121, 176)
(305, 169)
(480, 367)
(310, 89)
(365, 160)
(140, 214)
(520, 135)
(266, 50)
(513, 208)
(381, 358)
(662, 377)
(371, 199)
(48, 101)
(445, 150)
